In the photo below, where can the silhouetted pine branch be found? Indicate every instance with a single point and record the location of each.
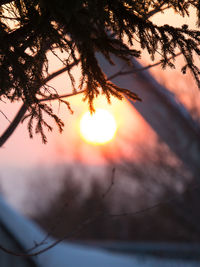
(81, 28)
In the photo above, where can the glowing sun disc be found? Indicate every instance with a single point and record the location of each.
(98, 128)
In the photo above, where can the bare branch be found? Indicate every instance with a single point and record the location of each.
(120, 73)
(4, 115)
(56, 97)
(58, 72)
(66, 205)
(158, 9)
(80, 227)
(23, 109)
(97, 216)
(13, 125)
(111, 184)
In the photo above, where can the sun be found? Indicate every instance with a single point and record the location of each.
(98, 128)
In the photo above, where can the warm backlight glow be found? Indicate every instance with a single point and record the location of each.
(98, 128)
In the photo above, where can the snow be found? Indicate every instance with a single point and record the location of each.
(66, 254)
(27, 233)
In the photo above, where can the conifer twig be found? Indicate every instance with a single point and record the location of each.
(20, 114)
(13, 125)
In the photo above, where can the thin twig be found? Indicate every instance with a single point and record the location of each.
(158, 9)
(56, 97)
(24, 108)
(104, 195)
(13, 125)
(66, 205)
(51, 230)
(120, 73)
(4, 115)
(97, 216)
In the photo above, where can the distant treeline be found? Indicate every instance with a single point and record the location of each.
(175, 219)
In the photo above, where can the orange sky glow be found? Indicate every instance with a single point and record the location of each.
(69, 146)
(133, 139)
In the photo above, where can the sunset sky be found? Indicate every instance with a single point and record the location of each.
(69, 147)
